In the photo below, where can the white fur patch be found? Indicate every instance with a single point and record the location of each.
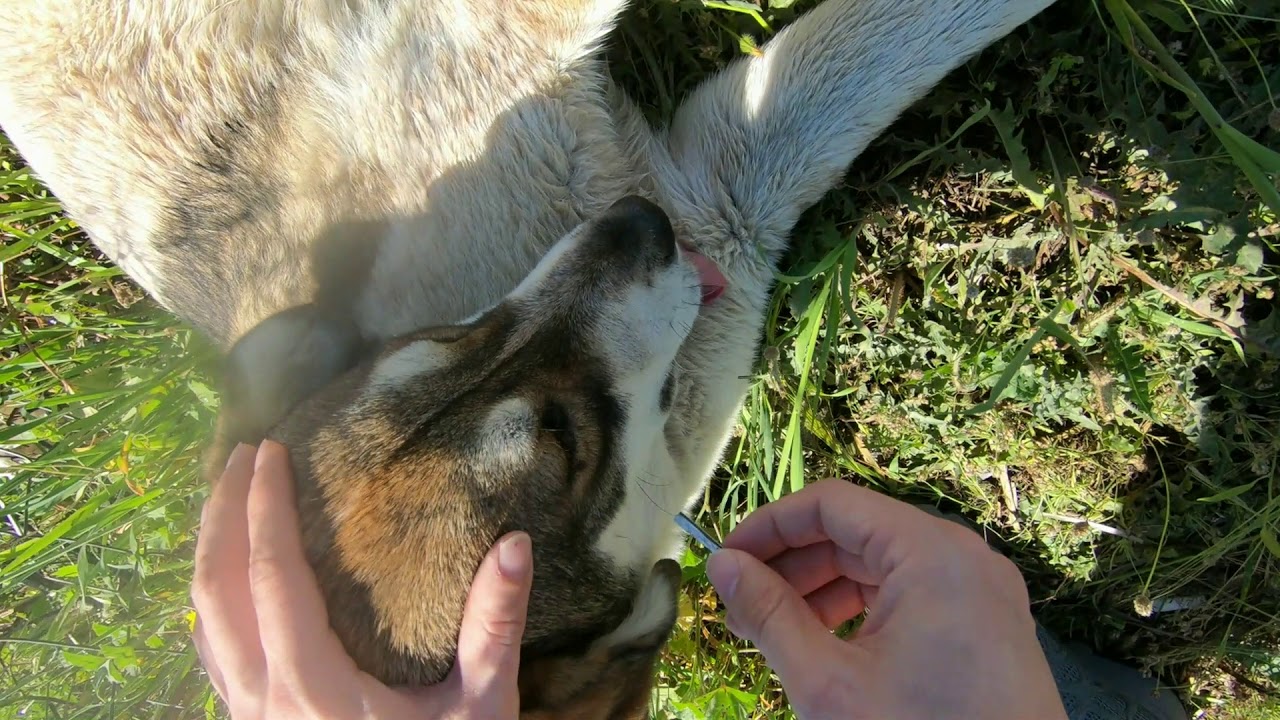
(410, 361)
(651, 611)
(548, 262)
(643, 530)
(756, 86)
(641, 335)
(509, 434)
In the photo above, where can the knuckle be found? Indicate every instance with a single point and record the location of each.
(1007, 575)
(963, 542)
(827, 693)
(1004, 568)
(204, 588)
(249, 701)
(769, 611)
(206, 560)
(503, 631)
(265, 571)
(828, 486)
(283, 702)
(292, 696)
(309, 704)
(978, 551)
(826, 482)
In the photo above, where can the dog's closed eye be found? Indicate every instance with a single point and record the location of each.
(559, 424)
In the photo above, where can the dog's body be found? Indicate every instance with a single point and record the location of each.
(314, 184)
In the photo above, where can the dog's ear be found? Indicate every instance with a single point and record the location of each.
(646, 629)
(280, 362)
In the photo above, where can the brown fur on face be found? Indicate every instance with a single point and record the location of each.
(412, 464)
(397, 519)
(612, 680)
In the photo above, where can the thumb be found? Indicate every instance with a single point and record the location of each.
(765, 609)
(492, 627)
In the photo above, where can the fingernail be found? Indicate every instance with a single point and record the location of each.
(723, 570)
(267, 449)
(238, 452)
(515, 559)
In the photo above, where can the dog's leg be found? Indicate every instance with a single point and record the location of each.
(759, 143)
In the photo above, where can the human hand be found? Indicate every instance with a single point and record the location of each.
(948, 631)
(263, 633)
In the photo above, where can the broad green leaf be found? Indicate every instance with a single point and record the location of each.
(1004, 123)
(1229, 493)
(1269, 540)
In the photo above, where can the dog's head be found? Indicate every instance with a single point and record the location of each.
(546, 414)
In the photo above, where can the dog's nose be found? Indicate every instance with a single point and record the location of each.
(638, 228)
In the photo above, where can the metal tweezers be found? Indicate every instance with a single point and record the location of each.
(703, 538)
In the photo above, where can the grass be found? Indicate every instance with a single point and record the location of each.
(1046, 300)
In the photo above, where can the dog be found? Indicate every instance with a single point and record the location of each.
(452, 268)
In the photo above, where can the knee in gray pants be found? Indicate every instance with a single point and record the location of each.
(1092, 687)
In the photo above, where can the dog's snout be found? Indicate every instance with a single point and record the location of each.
(636, 227)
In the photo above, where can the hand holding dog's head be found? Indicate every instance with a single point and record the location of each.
(544, 414)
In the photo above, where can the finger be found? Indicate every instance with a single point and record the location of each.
(764, 609)
(208, 662)
(830, 579)
(864, 523)
(294, 624)
(493, 626)
(837, 602)
(220, 589)
(807, 568)
(811, 567)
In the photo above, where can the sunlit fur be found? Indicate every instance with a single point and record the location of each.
(401, 221)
